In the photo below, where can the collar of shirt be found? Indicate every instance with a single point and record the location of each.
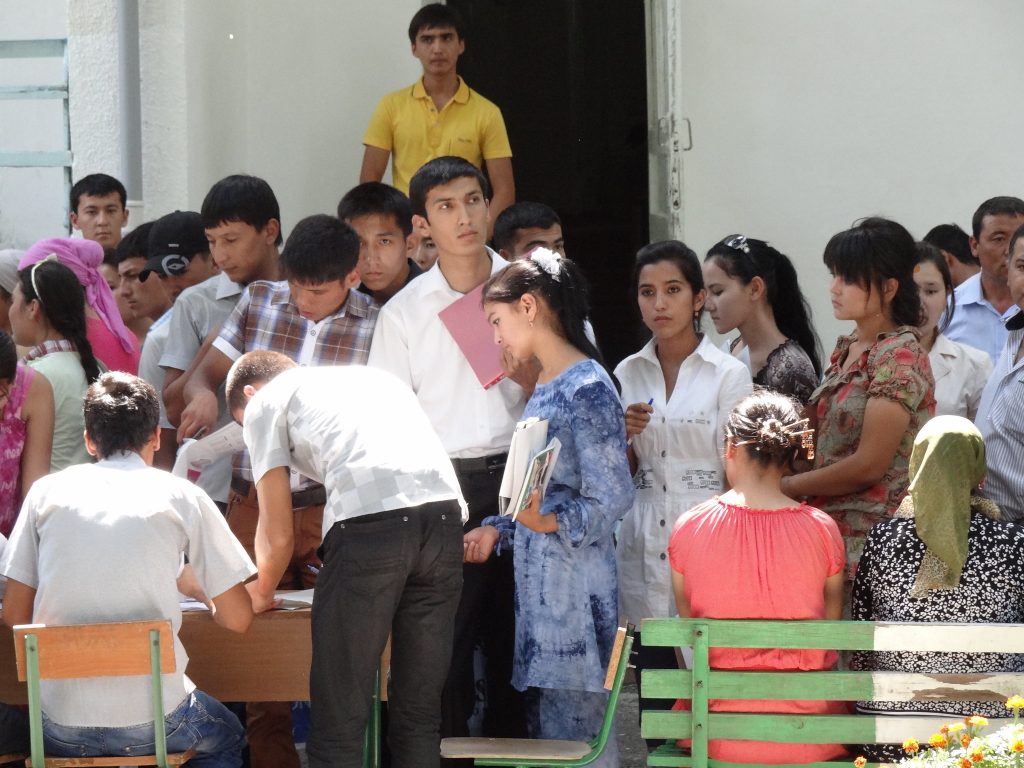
(705, 350)
(433, 280)
(226, 288)
(844, 342)
(944, 347)
(165, 317)
(970, 292)
(461, 94)
(123, 460)
(356, 303)
(414, 272)
(48, 347)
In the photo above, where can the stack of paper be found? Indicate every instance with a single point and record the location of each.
(530, 461)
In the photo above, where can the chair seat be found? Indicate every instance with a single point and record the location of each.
(177, 758)
(526, 749)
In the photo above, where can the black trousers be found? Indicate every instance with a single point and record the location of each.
(399, 572)
(486, 615)
(651, 657)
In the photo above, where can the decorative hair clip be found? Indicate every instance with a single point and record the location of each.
(547, 260)
(798, 429)
(32, 273)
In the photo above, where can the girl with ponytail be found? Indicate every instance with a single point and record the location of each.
(753, 288)
(564, 556)
(48, 315)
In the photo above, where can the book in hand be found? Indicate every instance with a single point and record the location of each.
(466, 322)
(538, 474)
(528, 439)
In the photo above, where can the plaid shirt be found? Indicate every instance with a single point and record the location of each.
(267, 318)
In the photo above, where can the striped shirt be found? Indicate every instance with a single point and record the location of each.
(999, 419)
(267, 318)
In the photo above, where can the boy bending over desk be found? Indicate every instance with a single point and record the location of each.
(392, 546)
(104, 542)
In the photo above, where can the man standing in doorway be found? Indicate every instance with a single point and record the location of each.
(439, 115)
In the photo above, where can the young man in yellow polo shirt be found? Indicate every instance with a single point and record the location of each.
(439, 115)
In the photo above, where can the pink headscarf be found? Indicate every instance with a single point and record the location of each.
(83, 257)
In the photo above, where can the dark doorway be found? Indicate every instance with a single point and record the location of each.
(570, 79)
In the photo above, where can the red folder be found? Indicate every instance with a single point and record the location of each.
(467, 323)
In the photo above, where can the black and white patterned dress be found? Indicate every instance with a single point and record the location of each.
(991, 590)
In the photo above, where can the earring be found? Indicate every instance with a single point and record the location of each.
(531, 323)
(807, 443)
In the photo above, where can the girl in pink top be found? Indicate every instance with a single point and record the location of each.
(755, 553)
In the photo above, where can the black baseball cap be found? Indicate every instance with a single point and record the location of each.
(174, 241)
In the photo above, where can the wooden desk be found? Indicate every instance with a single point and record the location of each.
(270, 662)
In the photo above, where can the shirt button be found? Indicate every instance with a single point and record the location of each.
(663, 454)
(664, 488)
(662, 555)
(312, 332)
(405, 519)
(662, 523)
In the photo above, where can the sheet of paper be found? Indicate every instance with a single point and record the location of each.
(294, 600)
(529, 438)
(465, 320)
(196, 455)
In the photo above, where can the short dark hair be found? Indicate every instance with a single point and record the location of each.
(927, 252)
(244, 198)
(524, 215)
(873, 251)
(320, 249)
(255, 367)
(951, 239)
(121, 413)
(437, 173)
(436, 16)
(1017, 235)
(134, 245)
(685, 259)
(996, 206)
(376, 199)
(97, 185)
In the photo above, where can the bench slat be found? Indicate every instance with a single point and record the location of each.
(840, 635)
(809, 729)
(668, 755)
(838, 686)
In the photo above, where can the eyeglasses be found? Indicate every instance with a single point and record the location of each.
(737, 243)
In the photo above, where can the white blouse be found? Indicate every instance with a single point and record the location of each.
(960, 372)
(679, 464)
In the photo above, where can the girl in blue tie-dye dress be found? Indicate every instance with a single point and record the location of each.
(564, 556)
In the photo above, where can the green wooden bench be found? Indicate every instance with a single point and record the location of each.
(700, 683)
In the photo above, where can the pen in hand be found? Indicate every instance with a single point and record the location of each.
(629, 441)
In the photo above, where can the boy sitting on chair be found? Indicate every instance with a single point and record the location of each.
(105, 542)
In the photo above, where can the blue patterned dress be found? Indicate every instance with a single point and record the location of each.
(566, 588)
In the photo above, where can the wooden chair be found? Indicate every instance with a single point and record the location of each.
(536, 753)
(96, 650)
(702, 683)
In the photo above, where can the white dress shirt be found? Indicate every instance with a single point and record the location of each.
(960, 372)
(411, 342)
(679, 463)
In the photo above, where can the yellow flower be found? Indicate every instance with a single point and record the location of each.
(965, 739)
(954, 727)
(1017, 745)
(910, 746)
(977, 720)
(1015, 702)
(860, 762)
(938, 740)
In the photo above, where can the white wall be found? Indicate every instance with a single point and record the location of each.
(280, 90)
(809, 115)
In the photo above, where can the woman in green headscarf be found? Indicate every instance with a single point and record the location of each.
(944, 557)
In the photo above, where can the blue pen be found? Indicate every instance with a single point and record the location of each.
(630, 441)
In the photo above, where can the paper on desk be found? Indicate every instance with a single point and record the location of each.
(293, 600)
(196, 455)
(191, 604)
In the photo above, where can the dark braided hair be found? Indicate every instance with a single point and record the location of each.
(62, 301)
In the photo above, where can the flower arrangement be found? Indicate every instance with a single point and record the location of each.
(961, 745)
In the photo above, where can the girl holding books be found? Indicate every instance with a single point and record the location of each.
(564, 556)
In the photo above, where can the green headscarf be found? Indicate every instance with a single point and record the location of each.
(946, 464)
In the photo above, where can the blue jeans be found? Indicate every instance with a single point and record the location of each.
(199, 722)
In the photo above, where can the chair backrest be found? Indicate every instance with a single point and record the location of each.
(701, 683)
(95, 650)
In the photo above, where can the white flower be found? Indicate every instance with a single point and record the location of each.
(547, 260)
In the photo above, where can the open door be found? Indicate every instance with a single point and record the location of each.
(668, 135)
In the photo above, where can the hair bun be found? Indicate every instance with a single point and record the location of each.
(772, 434)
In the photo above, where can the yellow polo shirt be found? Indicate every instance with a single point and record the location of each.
(407, 124)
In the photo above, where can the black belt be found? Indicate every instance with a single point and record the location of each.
(308, 497)
(481, 464)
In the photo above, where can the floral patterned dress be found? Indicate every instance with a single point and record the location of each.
(991, 590)
(13, 431)
(894, 368)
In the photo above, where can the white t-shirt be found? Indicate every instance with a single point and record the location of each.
(411, 342)
(102, 543)
(357, 430)
(149, 360)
